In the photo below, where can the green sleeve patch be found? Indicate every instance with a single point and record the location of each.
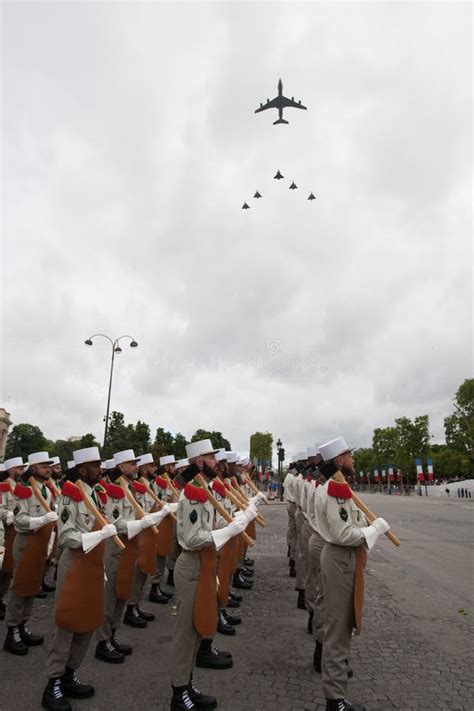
(193, 517)
(343, 513)
(65, 513)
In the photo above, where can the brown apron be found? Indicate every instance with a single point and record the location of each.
(361, 560)
(164, 542)
(224, 571)
(30, 569)
(7, 567)
(146, 558)
(125, 570)
(80, 603)
(251, 530)
(205, 600)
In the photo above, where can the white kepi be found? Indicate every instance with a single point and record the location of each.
(197, 449)
(39, 458)
(333, 448)
(168, 459)
(145, 459)
(88, 454)
(126, 456)
(13, 462)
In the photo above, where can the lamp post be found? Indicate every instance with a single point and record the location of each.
(115, 349)
(280, 483)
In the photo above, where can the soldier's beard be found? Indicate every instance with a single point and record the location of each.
(347, 470)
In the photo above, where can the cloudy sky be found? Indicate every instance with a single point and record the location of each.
(129, 145)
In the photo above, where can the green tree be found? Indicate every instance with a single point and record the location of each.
(163, 444)
(459, 427)
(25, 439)
(87, 440)
(142, 441)
(448, 462)
(119, 436)
(261, 446)
(384, 445)
(63, 449)
(413, 440)
(364, 460)
(179, 446)
(217, 438)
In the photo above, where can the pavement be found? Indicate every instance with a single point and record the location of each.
(414, 654)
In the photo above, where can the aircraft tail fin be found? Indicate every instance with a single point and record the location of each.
(280, 121)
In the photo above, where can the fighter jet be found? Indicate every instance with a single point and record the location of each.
(257, 195)
(278, 176)
(312, 197)
(293, 186)
(245, 206)
(280, 102)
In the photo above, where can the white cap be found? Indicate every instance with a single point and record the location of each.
(2, 467)
(168, 459)
(221, 455)
(145, 459)
(196, 449)
(39, 458)
(181, 463)
(232, 457)
(124, 457)
(71, 464)
(13, 462)
(110, 463)
(333, 448)
(312, 451)
(55, 461)
(83, 456)
(245, 461)
(301, 456)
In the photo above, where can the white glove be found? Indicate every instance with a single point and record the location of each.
(39, 521)
(221, 535)
(171, 508)
(147, 521)
(258, 498)
(371, 533)
(9, 518)
(107, 531)
(92, 539)
(133, 528)
(158, 516)
(251, 512)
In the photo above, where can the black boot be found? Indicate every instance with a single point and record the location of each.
(156, 595)
(119, 646)
(147, 616)
(181, 701)
(301, 604)
(310, 623)
(241, 583)
(208, 657)
(41, 594)
(235, 596)
(132, 617)
(246, 573)
(2, 610)
(107, 652)
(249, 562)
(30, 639)
(233, 604)
(53, 697)
(223, 626)
(200, 700)
(46, 587)
(292, 569)
(72, 686)
(167, 594)
(343, 705)
(231, 619)
(14, 643)
(317, 657)
(170, 580)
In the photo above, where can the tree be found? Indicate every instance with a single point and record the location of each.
(217, 438)
(163, 444)
(384, 445)
(63, 448)
(412, 441)
(120, 436)
(459, 427)
(142, 438)
(364, 460)
(261, 447)
(179, 446)
(448, 462)
(25, 439)
(87, 440)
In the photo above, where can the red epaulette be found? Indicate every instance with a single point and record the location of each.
(309, 479)
(339, 490)
(161, 482)
(70, 489)
(5, 486)
(101, 493)
(23, 492)
(139, 487)
(114, 491)
(194, 492)
(218, 487)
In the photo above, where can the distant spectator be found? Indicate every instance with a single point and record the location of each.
(447, 491)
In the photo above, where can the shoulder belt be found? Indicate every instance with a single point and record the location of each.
(139, 487)
(114, 491)
(161, 482)
(23, 492)
(194, 492)
(218, 487)
(73, 491)
(339, 490)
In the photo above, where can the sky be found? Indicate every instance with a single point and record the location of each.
(129, 144)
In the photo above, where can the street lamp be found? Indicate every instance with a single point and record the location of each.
(280, 483)
(115, 349)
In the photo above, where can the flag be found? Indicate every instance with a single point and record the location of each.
(419, 470)
(430, 470)
(384, 473)
(376, 474)
(391, 475)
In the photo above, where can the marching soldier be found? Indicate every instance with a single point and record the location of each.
(160, 487)
(13, 468)
(347, 536)
(300, 565)
(79, 600)
(168, 466)
(289, 497)
(196, 579)
(33, 521)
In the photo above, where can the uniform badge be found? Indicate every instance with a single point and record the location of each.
(64, 515)
(116, 512)
(343, 513)
(16, 510)
(193, 517)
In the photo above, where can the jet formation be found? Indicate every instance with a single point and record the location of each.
(278, 176)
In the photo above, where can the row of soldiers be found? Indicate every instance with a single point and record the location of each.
(120, 519)
(328, 538)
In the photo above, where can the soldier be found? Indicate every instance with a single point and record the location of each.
(344, 529)
(288, 496)
(33, 526)
(300, 563)
(80, 588)
(195, 534)
(307, 494)
(13, 468)
(160, 487)
(168, 466)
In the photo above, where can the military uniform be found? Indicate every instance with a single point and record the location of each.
(289, 497)
(160, 488)
(7, 504)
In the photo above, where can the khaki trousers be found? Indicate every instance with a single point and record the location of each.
(68, 649)
(139, 580)
(291, 533)
(171, 560)
(314, 594)
(19, 609)
(299, 559)
(186, 640)
(337, 579)
(160, 569)
(4, 584)
(113, 608)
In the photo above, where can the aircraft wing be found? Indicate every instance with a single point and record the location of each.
(273, 104)
(290, 102)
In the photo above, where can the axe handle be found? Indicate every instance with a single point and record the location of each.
(96, 513)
